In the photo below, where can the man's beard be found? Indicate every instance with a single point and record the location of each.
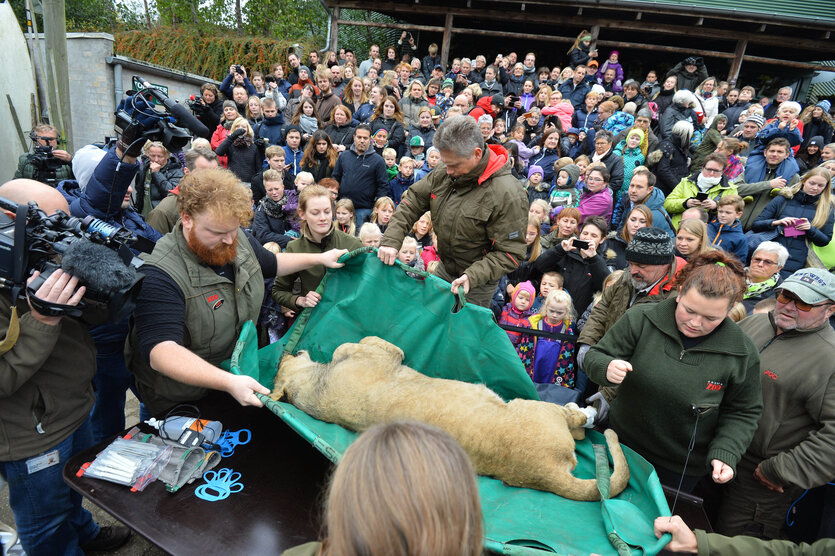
(639, 284)
(219, 255)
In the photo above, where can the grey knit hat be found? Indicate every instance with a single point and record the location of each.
(650, 246)
(757, 119)
(230, 104)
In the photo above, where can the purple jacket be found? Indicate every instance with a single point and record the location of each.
(596, 204)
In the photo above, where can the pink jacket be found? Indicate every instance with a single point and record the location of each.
(596, 204)
(564, 111)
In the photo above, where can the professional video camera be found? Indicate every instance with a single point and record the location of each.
(95, 252)
(157, 124)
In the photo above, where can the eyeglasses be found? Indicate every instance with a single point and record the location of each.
(711, 171)
(764, 262)
(48, 139)
(594, 180)
(785, 298)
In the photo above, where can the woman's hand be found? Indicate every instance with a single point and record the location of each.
(802, 224)
(567, 244)
(590, 252)
(692, 202)
(722, 472)
(787, 221)
(310, 300)
(617, 369)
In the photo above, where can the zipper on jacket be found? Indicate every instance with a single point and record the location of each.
(681, 355)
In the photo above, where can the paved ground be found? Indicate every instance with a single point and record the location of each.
(137, 546)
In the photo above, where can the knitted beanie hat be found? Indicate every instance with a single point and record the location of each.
(535, 170)
(447, 83)
(650, 246)
(825, 104)
(636, 131)
(230, 104)
(757, 119)
(525, 286)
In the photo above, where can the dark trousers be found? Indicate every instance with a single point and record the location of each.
(749, 508)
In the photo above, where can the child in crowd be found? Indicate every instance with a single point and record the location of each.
(292, 149)
(500, 130)
(631, 151)
(444, 100)
(550, 360)
(517, 137)
(567, 224)
(725, 231)
(345, 217)
(433, 158)
(382, 213)
(535, 187)
(422, 230)
(370, 235)
(515, 312)
(403, 180)
(612, 63)
(564, 193)
(539, 209)
(550, 281)
(408, 255)
(429, 253)
(390, 156)
(572, 138)
(271, 318)
(303, 179)
(416, 147)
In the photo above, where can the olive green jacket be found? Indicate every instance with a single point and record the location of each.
(216, 310)
(480, 218)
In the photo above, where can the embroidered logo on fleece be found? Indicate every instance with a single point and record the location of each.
(770, 374)
(215, 301)
(713, 386)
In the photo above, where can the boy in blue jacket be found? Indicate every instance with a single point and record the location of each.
(725, 231)
(405, 177)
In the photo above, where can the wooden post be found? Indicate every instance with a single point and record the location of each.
(446, 41)
(334, 29)
(733, 75)
(57, 76)
(595, 30)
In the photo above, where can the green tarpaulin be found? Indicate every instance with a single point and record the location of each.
(366, 298)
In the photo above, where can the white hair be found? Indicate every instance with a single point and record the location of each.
(683, 129)
(794, 106)
(684, 97)
(773, 247)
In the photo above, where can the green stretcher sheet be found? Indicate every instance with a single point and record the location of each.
(418, 313)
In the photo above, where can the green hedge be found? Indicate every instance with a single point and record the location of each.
(202, 54)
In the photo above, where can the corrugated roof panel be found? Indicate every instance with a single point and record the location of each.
(821, 10)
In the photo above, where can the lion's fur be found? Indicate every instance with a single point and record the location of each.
(523, 442)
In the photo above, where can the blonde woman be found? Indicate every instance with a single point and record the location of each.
(801, 215)
(691, 238)
(244, 156)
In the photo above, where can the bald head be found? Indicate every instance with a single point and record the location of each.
(22, 191)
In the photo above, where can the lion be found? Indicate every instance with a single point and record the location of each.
(523, 443)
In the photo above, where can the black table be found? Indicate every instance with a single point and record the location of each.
(278, 508)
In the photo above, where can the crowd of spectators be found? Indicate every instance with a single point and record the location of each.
(660, 208)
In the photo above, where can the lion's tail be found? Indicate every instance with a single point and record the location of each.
(586, 489)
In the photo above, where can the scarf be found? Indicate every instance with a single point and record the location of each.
(309, 124)
(243, 141)
(227, 124)
(274, 209)
(704, 183)
(754, 289)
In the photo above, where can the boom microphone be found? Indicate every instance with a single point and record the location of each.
(97, 266)
(181, 114)
(186, 118)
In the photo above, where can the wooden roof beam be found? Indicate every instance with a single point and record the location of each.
(663, 29)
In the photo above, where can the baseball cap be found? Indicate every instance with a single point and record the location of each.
(438, 67)
(812, 285)
(416, 141)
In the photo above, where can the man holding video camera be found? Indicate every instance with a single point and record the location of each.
(46, 163)
(46, 393)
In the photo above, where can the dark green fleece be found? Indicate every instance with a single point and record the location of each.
(653, 412)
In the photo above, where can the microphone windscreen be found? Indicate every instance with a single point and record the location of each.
(186, 119)
(97, 265)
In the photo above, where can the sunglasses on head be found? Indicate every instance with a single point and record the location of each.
(784, 297)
